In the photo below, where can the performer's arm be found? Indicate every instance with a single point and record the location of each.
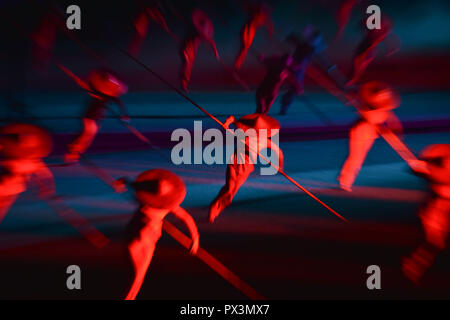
(184, 216)
(394, 124)
(420, 168)
(157, 16)
(343, 15)
(74, 77)
(229, 121)
(213, 46)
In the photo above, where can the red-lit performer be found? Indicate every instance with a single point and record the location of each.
(242, 163)
(309, 44)
(202, 29)
(22, 148)
(277, 71)
(159, 192)
(141, 23)
(434, 166)
(367, 48)
(343, 15)
(378, 102)
(104, 87)
(259, 15)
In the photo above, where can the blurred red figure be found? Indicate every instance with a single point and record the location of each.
(278, 70)
(343, 15)
(243, 164)
(104, 87)
(141, 24)
(366, 50)
(379, 101)
(22, 148)
(202, 29)
(259, 16)
(159, 193)
(434, 166)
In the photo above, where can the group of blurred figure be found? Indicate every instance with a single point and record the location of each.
(159, 192)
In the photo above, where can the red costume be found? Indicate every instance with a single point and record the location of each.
(258, 17)
(104, 87)
(278, 69)
(202, 29)
(242, 165)
(159, 193)
(22, 147)
(379, 101)
(435, 214)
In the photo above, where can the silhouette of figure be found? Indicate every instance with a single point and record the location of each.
(22, 148)
(277, 71)
(141, 24)
(242, 163)
(307, 46)
(104, 87)
(379, 100)
(202, 29)
(159, 192)
(259, 15)
(367, 49)
(434, 166)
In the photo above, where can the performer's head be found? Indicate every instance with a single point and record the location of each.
(107, 83)
(159, 189)
(312, 35)
(24, 141)
(379, 95)
(436, 153)
(437, 157)
(310, 39)
(200, 19)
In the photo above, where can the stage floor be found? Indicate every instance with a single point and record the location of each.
(273, 236)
